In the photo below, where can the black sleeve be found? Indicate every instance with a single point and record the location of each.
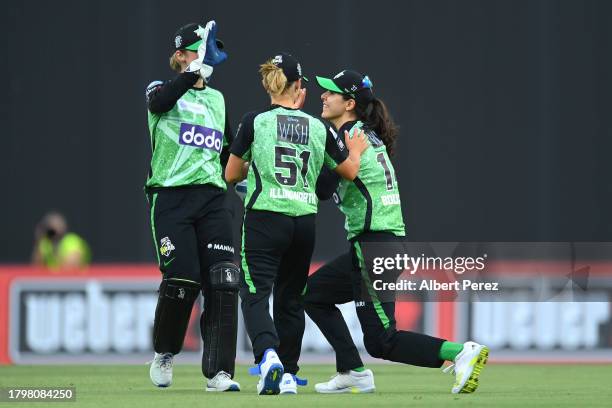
(229, 136)
(334, 146)
(162, 96)
(244, 136)
(327, 183)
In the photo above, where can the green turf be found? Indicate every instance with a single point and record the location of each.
(397, 385)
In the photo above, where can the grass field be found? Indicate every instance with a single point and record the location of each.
(397, 385)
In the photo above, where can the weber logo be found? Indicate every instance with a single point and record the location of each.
(292, 129)
(76, 318)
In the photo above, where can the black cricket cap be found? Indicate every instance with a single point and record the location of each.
(351, 83)
(185, 38)
(290, 66)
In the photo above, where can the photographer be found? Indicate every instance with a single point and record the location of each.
(55, 247)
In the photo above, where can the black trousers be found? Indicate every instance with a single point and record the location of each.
(342, 280)
(191, 229)
(276, 254)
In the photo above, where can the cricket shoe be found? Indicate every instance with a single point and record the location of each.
(467, 367)
(161, 369)
(289, 384)
(222, 382)
(348, 382)
(270, 371)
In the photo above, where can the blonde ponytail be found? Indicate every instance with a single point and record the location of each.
(273, 78)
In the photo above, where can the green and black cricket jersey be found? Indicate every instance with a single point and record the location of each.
(371, 202)
(286, 148)
(189, 131)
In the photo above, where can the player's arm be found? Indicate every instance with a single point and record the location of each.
(327, 183)
(162, 96)
(240, 151)
(236, 169)
(346, 156)
(227, 142)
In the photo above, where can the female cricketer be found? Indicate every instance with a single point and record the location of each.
(190, 136)
(285, 149)
(371, 216)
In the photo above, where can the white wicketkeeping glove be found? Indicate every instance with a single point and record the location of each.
(198, 65)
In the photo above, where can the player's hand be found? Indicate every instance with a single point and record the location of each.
(198, 65)
(357, 142)
(301, 98)
(209, 54)
(204, 70)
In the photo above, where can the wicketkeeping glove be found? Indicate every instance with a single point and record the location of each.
(209, 54)
(213, 56)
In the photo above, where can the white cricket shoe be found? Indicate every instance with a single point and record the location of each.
(161, 369)
(222, 382)
(350, 382)
(271, 373)
(468, 365)
(290, 382)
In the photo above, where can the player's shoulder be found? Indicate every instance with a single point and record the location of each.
(375, 140)
(348, 126)
(214, 92)
(326, 123)
(329, 127)
(252, 115)
(248, 120)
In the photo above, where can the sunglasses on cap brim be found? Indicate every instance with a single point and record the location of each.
(366, 83)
